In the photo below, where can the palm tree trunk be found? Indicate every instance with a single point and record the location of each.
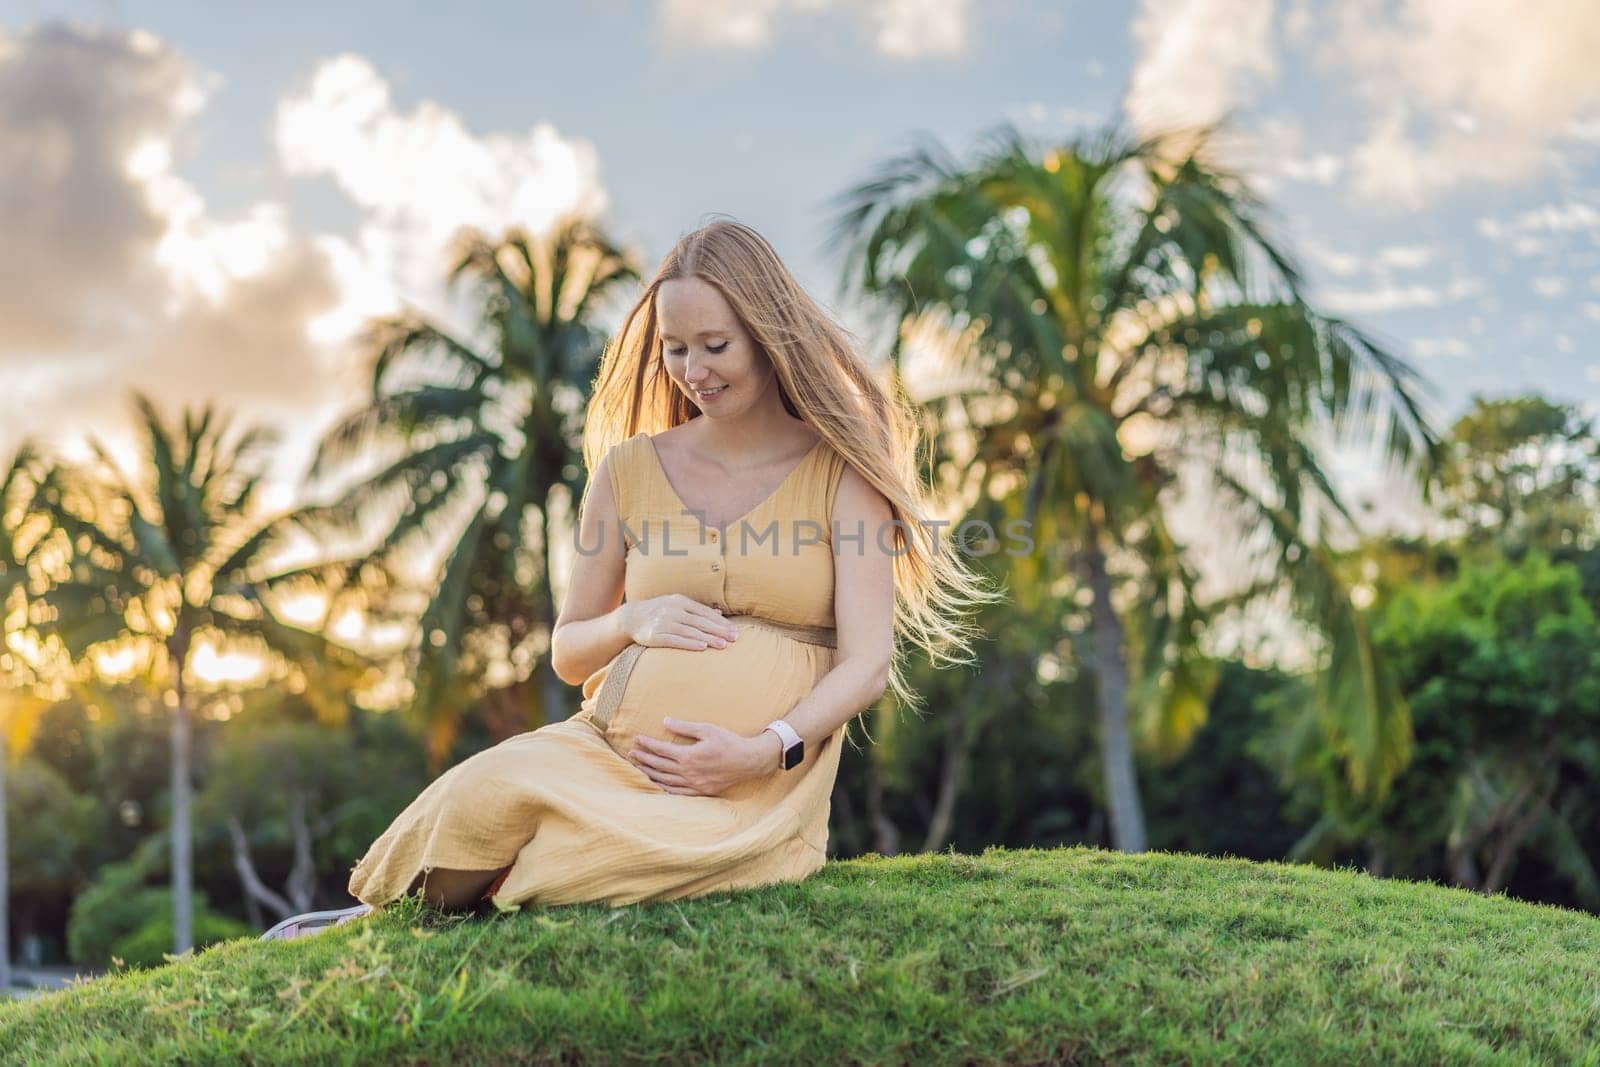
(964, 727)
(5, 870)
(509, 710)
(182, 855)
(952, 770)
(1111, 693)
(302, 884)
(1463, 867)
(552, 689)
(552, 692)
(841, 817)
(885, 834)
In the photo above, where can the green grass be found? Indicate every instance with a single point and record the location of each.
(1071, 955)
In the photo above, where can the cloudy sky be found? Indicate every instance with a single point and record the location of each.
(205, 205)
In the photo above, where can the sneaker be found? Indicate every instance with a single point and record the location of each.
(314, 922)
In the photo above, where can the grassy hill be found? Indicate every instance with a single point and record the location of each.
(1038, 956)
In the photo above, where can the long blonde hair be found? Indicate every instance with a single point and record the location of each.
(821, 380)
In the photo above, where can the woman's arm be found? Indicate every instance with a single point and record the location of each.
(589, 631)
(863, 606)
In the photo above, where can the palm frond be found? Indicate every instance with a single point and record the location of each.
(1363, 716)
(401, 339)
(407, 475)
(438, 694)
(398, 416)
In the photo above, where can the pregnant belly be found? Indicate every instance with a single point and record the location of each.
(755, 679)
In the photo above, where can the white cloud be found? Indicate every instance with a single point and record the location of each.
(419, 176)
(1549, 286)
(1273, 149)
(1299, 22)
(1323, 168)
(114, 273)
(1439, 348)
(1384, 281)
(902, 29)
(1342, 264)
(1384, 263)
(1540, 230)
(1460, 91)
(1585, 129)
(1548, 218)
(909, 29)
(1402, 297)
(740, 24)
(1063, 115)
(1448, 92)
(1198, 59)
(1405, 257)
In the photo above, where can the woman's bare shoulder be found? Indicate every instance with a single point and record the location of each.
(858, 497)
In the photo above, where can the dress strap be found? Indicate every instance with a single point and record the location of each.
(630, 484)
(833, 465)
(817, 489)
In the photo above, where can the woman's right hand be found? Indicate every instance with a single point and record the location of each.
(675, 621)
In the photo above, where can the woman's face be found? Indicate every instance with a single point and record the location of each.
(706, 351)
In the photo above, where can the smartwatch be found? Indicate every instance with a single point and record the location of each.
(794, 746)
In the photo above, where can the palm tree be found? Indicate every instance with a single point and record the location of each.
(165, 563)
(19, 692)
(1113, 316)
(479, 438)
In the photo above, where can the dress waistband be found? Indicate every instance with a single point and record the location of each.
(811, 635)
(609, 696)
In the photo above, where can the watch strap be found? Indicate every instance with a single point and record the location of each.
(793, 750)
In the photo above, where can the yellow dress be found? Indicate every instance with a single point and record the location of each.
(564, 806)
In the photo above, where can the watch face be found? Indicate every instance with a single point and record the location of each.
(793, 755)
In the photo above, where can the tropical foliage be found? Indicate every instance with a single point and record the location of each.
(483, 440)
(1107, 323)
(157, 565)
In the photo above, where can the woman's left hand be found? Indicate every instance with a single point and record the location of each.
(715, 759)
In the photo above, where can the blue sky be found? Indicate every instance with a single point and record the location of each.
(205, 204)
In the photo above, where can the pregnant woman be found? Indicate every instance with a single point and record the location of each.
(753, 542)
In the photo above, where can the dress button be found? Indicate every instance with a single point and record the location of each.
(716, 566)
(712, 535)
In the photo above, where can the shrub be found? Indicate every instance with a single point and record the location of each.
(118, 916)
(148, 945)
